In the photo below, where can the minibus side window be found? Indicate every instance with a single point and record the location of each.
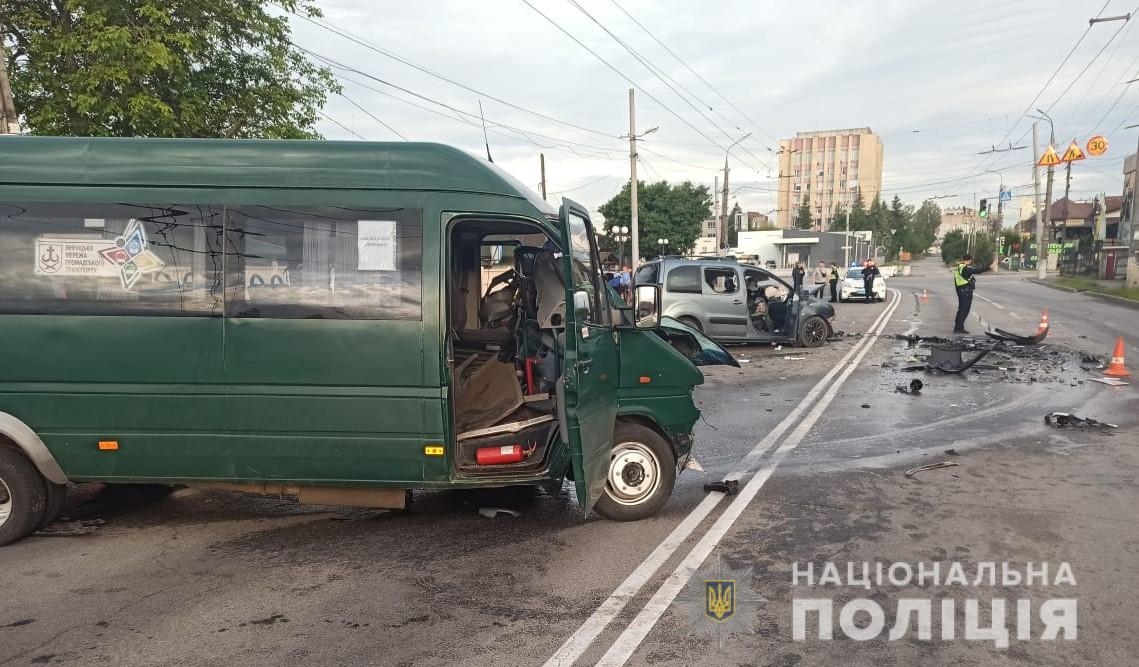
(110, 259)
(324, 263)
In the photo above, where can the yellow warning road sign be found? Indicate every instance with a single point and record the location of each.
(1097, 145)
(1050, 158)
(1073, 153)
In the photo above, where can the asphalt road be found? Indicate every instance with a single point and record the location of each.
(217, 578)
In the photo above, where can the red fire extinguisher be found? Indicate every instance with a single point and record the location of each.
(493, 456)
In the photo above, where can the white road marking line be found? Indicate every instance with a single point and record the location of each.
(639, 628)
(580, 641)
(983, 298)
(1015, 315)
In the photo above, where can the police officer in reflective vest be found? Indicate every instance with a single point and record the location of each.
(965, 282)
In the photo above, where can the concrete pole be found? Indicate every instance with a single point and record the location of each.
(634, 228)
(1042, 251)
(1132, 274)
(846, 242)
(542, 161)
(724, 212)
(1041, 269)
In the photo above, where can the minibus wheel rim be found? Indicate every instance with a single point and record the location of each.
(5, 503)
(634, 473)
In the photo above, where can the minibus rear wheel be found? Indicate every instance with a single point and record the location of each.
(642, 472)
(23, 496)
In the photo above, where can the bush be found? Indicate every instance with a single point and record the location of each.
(953, 247)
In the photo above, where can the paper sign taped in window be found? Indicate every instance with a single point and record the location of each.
(376, 245)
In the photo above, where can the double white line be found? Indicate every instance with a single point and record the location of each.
(816, 401)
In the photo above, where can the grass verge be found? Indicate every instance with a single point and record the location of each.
(1086, 285)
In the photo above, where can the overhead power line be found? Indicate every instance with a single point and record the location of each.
(694, 72)
(330, 27)
(623, 76)
(526, 134)
(373, 116)
(672, 84)
(341, 125)
(1032, 105)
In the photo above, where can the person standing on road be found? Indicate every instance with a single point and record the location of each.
(819, 278)
(834, 282)
(965, 282)
(869, 273)
(797, 275)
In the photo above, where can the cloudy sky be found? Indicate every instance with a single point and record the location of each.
(938, 81)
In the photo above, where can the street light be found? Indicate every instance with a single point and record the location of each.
(724, 204)
(620, 235)
(663, 244)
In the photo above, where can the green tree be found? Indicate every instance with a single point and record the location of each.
(666, 211)
(953, 246)
(803, 219)
(983, 249)
(838, 220)
(926, 220)
(859, 219)
(201, 68)
(733, 228)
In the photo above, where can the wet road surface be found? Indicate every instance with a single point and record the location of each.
(217, 578)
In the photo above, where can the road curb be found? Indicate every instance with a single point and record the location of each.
(1118, 300)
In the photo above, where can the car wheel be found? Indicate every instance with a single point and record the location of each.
(642, 472)
(23, 496)
(691, 322)
(813, 331)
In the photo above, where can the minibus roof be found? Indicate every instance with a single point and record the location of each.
(254, 163)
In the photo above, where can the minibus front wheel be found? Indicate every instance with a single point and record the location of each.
(642, 472)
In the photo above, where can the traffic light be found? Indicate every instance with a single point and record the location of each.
(984, 212)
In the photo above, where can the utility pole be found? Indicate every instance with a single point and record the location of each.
(9, 122)
(1040, 267)
(1132, 279)
(634, 248)
(715, 205)
(1041, 250)
(724, 212)
(542, 161)
(724, 196)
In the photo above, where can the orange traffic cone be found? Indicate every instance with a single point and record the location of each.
(1115, 369)
(1043, 322)
(925, 296)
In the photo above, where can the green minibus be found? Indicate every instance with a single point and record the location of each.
(338, 321)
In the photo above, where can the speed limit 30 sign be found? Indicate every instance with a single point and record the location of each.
(1097, 145)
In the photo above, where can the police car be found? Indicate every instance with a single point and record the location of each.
(853, 287)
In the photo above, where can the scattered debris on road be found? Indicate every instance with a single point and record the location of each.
(1067, 420)
(728, 486)
(952, 452)
(866, 405)
(493, 512)
(932, 466)
(1111, 382)
(71, 528)
(914, 388)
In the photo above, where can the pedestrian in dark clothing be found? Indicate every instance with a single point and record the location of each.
(869, 273)
(834, 282)
(797, 275)
(965, 282)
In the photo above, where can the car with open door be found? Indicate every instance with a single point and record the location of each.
(737, 303)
